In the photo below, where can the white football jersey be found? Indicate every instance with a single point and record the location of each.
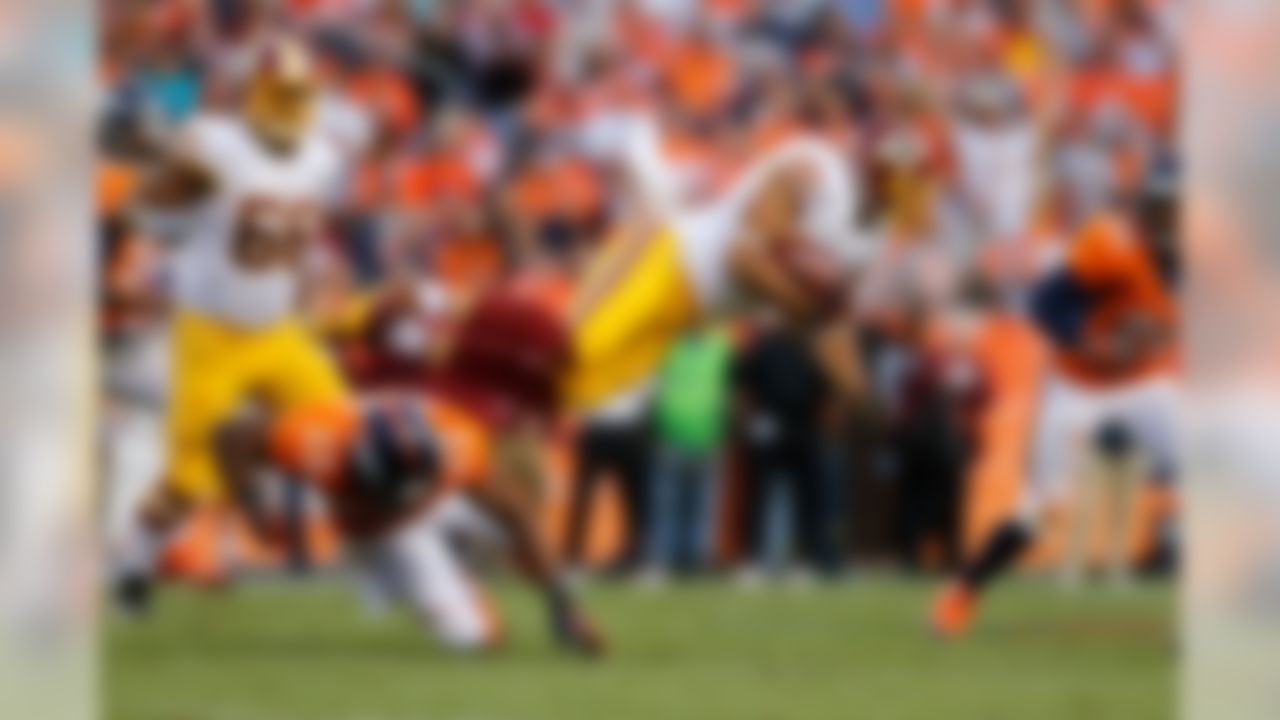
(707, 233)
(238, 255)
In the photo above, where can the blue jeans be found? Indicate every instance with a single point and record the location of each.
(684, 493)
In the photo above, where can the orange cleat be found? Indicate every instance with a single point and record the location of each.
(954, 611)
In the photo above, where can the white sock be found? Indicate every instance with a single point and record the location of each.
(137, 550)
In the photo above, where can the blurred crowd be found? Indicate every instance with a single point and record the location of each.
(984, 133)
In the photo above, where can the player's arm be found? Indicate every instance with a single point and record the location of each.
(177, 178)
(1060, 305)
(636, 168)
(836, 347)
(177, 183)
(516, 513)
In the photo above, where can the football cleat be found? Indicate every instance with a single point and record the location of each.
(575, 632)
(133, 595)
(954, 610)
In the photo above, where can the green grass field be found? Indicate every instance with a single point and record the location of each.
(702, 652)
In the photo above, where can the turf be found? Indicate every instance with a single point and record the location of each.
(703, 652)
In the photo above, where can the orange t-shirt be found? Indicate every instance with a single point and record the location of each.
(702, 78)
(468, 263)
(115, 185)
(436, 177)
(647, 40)
(390, 96)
(562, 188)
(1150, 100)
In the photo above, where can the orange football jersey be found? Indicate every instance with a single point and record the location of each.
(1121, 278)
(315, 443)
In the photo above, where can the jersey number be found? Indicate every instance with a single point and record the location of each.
(270, 233)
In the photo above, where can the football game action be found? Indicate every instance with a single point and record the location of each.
(559, 359)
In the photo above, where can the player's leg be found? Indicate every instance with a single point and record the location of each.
(133, 432)
(621, 340)
(429, 578)
(291, 368)
(533, 554)
(208, 384)
(1061, 413)
(1129, 480)
(286, 366)
(1117, 466)
(134, 441)
(1153, 416)
(1093, 501)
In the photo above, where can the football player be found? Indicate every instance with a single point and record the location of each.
(780, 235)
(1109, 313)
(403, 475)
(241, 197)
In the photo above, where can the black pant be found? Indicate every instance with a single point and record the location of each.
(623, 451)
(932, 456)
(797, 463)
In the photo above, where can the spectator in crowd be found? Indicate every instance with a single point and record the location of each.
(783, 400)
(997, 154)
(933, 439)
(167, 74)
(690, 413)
(614, 442)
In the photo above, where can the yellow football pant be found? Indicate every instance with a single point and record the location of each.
(627, 334)
(216, 368)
